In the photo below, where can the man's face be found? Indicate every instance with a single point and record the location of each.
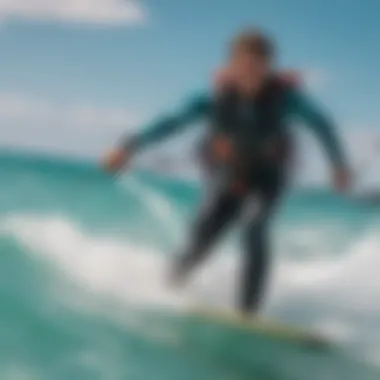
(250, 67)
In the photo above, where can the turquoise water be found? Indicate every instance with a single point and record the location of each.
(83, 293)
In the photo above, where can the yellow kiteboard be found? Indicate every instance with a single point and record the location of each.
(261, 326)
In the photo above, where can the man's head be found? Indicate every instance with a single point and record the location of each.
(252, 55)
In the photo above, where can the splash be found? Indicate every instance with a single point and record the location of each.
(337, 296)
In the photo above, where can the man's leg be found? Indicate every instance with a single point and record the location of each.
(258, 213)
(216, 214)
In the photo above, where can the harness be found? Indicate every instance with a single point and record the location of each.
(255, 128)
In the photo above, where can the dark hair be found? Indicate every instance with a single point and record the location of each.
(254, 41)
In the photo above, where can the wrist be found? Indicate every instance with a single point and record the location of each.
(129, 147)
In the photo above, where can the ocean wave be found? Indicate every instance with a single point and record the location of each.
(337, 296)
(89, 245)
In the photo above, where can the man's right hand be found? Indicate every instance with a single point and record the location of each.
(115, 160)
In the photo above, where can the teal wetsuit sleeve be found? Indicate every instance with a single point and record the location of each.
(190, 111)
(302, 106)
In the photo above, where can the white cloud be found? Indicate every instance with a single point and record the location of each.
(26, 122)
(104, 12)
(24, 110)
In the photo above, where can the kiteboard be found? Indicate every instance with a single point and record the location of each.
(261, 326)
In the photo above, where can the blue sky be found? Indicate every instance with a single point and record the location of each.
(77, 73)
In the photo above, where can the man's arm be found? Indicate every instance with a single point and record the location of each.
(156, 131)
(321, 125)
(197, 107)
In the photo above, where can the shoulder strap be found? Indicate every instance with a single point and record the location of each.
(270, 101)
(224, 109)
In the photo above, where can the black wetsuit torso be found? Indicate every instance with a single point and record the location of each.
(254, 127)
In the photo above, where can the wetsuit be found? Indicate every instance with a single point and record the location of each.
(251, 126)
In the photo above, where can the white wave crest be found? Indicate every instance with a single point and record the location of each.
(337, 295)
